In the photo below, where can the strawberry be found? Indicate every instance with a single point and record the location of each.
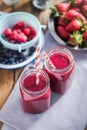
(71, 14)
(74, 25)
(72, 42)
(62, 21)
(76, 2)
(62, 7)
(84, 1)
(75, 39)
(76, 9)
(85, 36)
(62, 32)
(27, 31)
(84, 10)
(8, 31)
(82, 17)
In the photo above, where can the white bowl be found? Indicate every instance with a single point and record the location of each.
(10, 20)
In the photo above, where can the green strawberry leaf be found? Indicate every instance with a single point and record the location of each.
(83, 45)
(77, 36)
(54, 11)
(71, 1)
(71, 43)
(76, 47)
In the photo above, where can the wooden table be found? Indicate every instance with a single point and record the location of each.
(9, 77)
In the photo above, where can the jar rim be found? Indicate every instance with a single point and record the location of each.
(61, 50)
(33, 72)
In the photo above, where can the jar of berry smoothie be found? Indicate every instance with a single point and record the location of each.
(35, 98)
(61, 76)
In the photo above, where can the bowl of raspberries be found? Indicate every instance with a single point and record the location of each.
(68, 23)
(19, 31)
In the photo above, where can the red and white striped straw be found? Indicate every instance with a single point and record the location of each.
(37, 64)
(48, 59)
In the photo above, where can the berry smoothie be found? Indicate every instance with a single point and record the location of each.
(35, 98)
(60, 77)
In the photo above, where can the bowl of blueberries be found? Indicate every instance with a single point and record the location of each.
(19, 31)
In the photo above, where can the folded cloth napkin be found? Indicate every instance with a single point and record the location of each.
(67, 112)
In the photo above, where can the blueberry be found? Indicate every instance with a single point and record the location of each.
(20, 60)
(1, 46)
(1, 59)
(8, 55)
(15, 56)
(2, 62)
(32, 49)
(1, 51)
(17, 61)
(6, 60)
(4, 37)
(30, 53)
(4, 51)
(22, 56)
(11, 60)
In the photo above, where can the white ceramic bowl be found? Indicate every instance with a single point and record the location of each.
(13, 18)
(10, 2)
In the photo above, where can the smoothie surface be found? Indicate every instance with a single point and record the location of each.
(60, 61)
(30, 83)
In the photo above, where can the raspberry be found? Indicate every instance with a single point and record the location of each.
(21, 37)
(19, 25)
(18, 31)
(27, 31)
(8, 31)
(32, 35)
(14, 35)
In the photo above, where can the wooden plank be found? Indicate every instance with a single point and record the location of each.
(6, 85)
(17, 73)
(9, 8)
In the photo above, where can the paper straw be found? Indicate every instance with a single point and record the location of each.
(48, 59)
(37, 64)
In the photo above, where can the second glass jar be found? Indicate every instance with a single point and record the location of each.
(61, 76)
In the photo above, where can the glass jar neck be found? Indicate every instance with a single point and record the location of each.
(33, 72)
(62, 51)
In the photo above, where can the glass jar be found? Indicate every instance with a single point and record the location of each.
(35, 98)
(61, 76)
(41, 4)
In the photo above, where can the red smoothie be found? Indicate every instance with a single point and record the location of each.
(35, 98)
(62, 75)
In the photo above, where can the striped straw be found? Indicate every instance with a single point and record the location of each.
(48, 59)
(37, 64)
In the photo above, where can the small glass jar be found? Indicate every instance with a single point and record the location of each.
(60, 78)
(35, 98)
(41, 4)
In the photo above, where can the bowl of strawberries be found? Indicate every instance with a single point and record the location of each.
(68, 23)
(19, 31)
